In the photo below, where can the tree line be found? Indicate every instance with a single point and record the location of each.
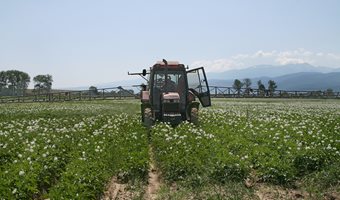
(15, 83)
(246, 84)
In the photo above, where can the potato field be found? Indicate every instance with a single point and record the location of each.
(241, 149)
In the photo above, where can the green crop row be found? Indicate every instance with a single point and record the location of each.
(69, 156)
(71, 150)
(273, 142)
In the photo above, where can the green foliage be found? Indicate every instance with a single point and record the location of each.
(271, 86)
(261, 88)
(64, 155)
(247, 82)
(93, 90)
(237, 85)
(282, 142)
(182, 151)
(71, 150)
(326, 178)
(43, 82)
(13, 82)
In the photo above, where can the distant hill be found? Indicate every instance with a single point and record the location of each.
(269, 71)
(288, 77)
(309, 81)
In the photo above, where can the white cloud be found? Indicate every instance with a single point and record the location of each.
(295, 57)
(261, 54)
(333, 56)
(240, 56)
(216, 65)
(283, 60)
(274, 57)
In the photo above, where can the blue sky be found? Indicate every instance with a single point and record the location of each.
(82, 42)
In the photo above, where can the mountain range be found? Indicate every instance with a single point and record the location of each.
(287, 77)
(270, 71)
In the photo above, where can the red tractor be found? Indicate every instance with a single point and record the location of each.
(171, 93)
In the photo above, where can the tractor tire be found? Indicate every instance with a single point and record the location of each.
(148, 120)
(194, 116)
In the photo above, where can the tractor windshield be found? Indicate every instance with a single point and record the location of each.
(169, 82)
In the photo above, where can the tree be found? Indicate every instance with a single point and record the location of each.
(247, 84)
(3, 80)
(23, 82)
(237, 86)
(316, 93)
(271, 87)
(261, 88)
(93, 91)
(43, 82)
(329, 92)
(14, 82)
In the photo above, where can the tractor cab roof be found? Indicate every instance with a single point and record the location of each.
(171, 65)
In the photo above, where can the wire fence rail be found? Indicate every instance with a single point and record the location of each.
(79, 95)
(116, 93)
(230, 92)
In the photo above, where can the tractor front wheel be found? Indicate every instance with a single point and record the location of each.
(148, 120)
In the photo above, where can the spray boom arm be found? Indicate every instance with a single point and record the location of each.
(143, 74)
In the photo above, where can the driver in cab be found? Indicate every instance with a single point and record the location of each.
(169, 85)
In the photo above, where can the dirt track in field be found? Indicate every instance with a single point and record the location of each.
(153, 179)
(120, 191)
(116, 191)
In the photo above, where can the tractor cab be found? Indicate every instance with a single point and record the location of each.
(168, 90)
(171, 93)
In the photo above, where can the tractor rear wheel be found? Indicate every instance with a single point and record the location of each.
(194, 115)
